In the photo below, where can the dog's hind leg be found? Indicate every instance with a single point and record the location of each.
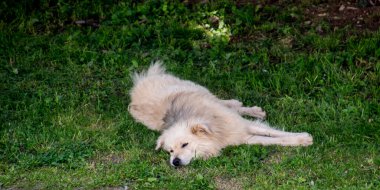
(300, 140)
(234, 104)
(263, 129)
(250, 111)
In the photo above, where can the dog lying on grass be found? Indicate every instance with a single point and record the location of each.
(196, 124)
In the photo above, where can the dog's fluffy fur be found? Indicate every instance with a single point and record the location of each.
(196, 124)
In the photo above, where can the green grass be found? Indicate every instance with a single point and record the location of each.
(64, 94)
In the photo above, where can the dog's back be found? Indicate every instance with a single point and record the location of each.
(152, 94)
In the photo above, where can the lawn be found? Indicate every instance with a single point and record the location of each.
(65, 70)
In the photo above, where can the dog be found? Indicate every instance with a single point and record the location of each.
(194, 123)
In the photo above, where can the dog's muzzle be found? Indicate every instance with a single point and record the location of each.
(177, 162)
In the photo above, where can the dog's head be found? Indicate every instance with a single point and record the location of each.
(185, 141)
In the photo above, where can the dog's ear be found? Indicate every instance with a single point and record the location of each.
(200, 129)
(160, 142)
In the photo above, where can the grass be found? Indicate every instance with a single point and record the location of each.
(64, 94)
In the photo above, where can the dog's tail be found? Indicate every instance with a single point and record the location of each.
(155, 68)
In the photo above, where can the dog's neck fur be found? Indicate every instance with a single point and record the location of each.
(180, 109)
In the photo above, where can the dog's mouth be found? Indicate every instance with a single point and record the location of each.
(178, 167)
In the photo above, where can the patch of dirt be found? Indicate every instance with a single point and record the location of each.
(346, 13)
(228, 183)
(113, 158)
(274, 158)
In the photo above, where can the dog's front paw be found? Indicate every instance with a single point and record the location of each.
(305, 139)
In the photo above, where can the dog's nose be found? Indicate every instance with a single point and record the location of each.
(176, 161)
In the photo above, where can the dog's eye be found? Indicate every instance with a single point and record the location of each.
(184, 145)
(171, 151)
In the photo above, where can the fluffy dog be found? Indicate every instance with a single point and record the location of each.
(196, 124)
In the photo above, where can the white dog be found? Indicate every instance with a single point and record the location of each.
(196, 124)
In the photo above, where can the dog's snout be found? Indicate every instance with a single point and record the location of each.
(176, 162)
